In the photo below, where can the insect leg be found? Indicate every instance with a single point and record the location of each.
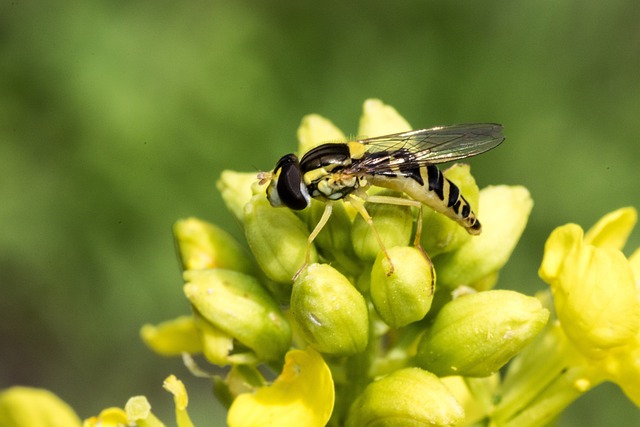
(358, 204)
(328, 208)
(399, 201)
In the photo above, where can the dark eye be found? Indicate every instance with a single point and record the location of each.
(290, 187)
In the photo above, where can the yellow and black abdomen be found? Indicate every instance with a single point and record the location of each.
(429, 186)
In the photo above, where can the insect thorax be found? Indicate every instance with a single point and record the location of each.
(334, 185)
(323, 170)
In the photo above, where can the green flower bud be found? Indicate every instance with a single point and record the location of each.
(404, 296)
(202, 245)
(277, 238)
(439, 233)
(236, 189)
(237, 306)
(407, 397)
(393, 223)
(476, 334)
(505, 211)
(330, 313)
(34, 407)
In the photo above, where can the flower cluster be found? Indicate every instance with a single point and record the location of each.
(361, 341)
(359, 338)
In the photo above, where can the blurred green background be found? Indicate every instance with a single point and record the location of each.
(117, 117)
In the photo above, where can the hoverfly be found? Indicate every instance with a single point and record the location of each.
(404, 162)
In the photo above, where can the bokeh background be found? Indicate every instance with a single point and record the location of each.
(117, 117)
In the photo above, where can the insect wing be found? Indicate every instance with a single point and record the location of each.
(429, 146)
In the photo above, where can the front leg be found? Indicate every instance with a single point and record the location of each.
(328, 208)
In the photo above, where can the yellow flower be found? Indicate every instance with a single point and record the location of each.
(596, 297)
(303, 395)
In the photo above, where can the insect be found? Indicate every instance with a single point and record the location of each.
(403, 162)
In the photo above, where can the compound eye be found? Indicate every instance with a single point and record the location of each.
(292, 191)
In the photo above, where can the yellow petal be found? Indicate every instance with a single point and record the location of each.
(173, 337)
(380, 119)
(561, 241)
(634, 261)
(613, 229)
(303, 395)
(315, 130)
(629, 376)
(622, 366)
(33, 407)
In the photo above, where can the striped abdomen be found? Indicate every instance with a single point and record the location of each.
(430, 187)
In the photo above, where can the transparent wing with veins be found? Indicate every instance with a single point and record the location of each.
(422, 147)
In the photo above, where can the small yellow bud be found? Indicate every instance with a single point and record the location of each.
(202, 245)
(476, 334)
(393, 223)
(407, 397)
(236, 189)
(405, 295)
(315, 130)
(237, 306)
(277, 238)
(504, 214)
(330, 313)
(380, 119)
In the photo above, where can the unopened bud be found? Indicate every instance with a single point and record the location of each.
(203, 245)
(476, 334)
(330, 313)
(504, 214)
(404, 296)
(236, 189)
(409, 396)
(393, 223)
(238, 308)
(277, 238)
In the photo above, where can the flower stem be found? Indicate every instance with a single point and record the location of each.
(542, 381)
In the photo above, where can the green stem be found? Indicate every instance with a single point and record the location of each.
(542, 381)
(355, 374)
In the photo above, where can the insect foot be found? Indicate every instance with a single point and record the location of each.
(402, 286)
